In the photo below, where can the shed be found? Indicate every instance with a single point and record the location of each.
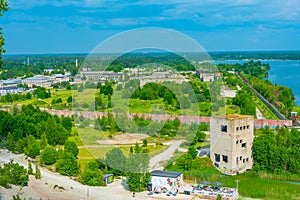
(108, 178)
(166, 180)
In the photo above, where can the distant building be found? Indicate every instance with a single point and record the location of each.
(48, 71)
(41, 81)
(10, 86)
(160, 77)
(231, 141)
(207, 76)
(98, 76)
(58, 78)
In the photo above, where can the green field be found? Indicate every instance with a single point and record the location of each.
(251, 184)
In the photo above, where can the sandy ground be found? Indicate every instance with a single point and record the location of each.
(259, 115)
(127, 138)
(72, 190)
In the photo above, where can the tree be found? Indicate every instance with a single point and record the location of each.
(42, 93)
(13, 173)
(32, 148)
(68, 86)
(145, 143)
(192, 152)
(19, 148)
(3, 8)
(49, 156)
(138, 176)
(71, 147)
(10, 142)
(184, 162)
(66, 122)
(30, 170)
(137, 148)
(43, 141)
(37, 172)
(116, 161)
(70, 99)
(28, 95)
(67, 164)
(92, 175)
(55, 133)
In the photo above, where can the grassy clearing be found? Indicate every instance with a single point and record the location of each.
(252, 185)
(89, 135)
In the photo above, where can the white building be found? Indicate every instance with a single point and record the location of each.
(41, 81)
(231, 141)
(98, 76)
(166, 180)
(58, 78)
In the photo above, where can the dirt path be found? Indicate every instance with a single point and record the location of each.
(259, 115)
(73, 190)
(44, 188)
(155, 162)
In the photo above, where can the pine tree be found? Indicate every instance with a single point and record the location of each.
(37, 172)
(30, 170)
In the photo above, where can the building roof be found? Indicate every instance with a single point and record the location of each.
(37, 78)
(11, 81)
(107, 175)
(234, 116)
(165, 173)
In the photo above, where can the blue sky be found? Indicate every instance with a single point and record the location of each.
(73, 26)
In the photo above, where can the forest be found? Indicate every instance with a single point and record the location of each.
(277, 152)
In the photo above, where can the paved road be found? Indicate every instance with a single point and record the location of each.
(156, 161)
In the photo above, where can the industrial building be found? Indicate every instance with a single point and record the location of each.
(231, 140)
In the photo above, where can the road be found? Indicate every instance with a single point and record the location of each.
(44, 188)
(156, 161)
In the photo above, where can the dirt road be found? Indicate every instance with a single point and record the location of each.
(155, 162)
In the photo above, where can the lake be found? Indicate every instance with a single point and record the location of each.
(283, 72)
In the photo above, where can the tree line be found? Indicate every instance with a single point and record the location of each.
(277, 152)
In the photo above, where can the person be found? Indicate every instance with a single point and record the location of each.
(133, 194)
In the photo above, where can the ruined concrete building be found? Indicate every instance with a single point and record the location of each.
(231, 140)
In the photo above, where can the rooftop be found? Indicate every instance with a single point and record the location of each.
(36, 78)
(165, 173)
(235, 116)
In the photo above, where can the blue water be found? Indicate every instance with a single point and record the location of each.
(283, 72)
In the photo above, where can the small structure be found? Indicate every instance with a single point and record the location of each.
(231, 140)
(108, 178)
(166, 180)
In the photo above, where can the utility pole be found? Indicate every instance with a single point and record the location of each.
(237, 185)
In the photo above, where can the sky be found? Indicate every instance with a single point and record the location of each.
(73, 26)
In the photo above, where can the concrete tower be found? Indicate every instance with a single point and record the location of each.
(231, 139)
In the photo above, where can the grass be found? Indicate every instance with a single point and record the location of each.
(89, 135)
(251, 184)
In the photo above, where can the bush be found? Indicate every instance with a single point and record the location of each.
(13, 173)
(92, 175)
(49, 156)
